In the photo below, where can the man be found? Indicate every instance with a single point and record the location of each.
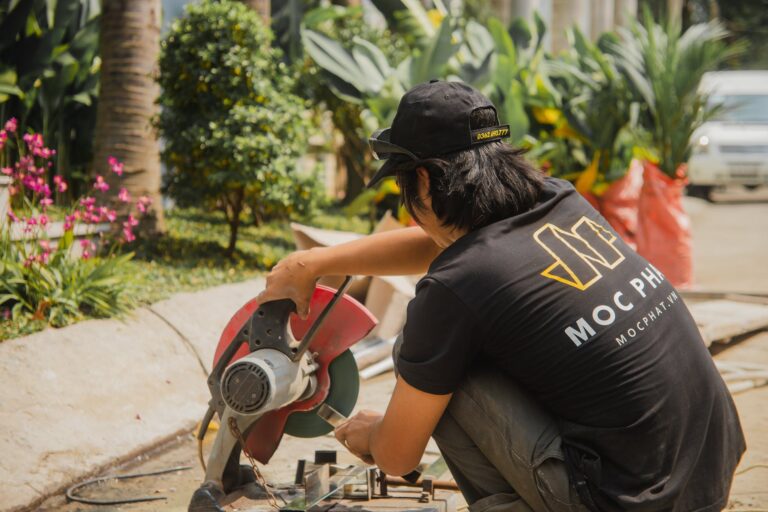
(555, 368)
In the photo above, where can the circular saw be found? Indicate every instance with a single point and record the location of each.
(272, 371)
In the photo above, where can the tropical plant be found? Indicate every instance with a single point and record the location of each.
(504, 64)
(130, 44)
(595, 107)
(345, 25)
(521, 88)
(233, 129)
(49, 74)
(360, 74)
(411, 19)
(58, 281)
(664, 66)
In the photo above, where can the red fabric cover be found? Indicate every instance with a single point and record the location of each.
(345, 325)
(619, 203)
(664, 229)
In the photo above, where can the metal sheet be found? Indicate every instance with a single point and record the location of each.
(342, 396)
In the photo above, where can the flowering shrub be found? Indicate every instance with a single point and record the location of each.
(56, 279)
(232, 128)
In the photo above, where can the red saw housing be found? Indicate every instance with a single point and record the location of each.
(347, 323)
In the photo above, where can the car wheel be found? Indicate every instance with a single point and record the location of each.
(700, 191)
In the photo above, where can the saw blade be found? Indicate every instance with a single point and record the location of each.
(342, 396)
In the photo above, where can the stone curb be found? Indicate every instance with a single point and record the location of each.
(74, 401)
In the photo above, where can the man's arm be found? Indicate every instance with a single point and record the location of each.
(398, 252)
(396, 441)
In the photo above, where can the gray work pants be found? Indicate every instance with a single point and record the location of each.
(502, 448)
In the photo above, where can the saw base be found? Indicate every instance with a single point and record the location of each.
(324, 484)
(399, 500)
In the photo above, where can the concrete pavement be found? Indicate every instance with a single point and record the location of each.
(78, 399)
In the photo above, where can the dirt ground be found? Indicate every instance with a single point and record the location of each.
(730, 254)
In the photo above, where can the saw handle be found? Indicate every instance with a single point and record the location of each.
(268, 326)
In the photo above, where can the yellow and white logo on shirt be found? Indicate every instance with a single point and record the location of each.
(581, 255)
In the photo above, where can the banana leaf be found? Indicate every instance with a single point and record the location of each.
(431, 61)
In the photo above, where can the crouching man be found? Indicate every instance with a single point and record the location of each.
(556, 369)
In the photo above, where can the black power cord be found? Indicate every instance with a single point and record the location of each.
(71, 496)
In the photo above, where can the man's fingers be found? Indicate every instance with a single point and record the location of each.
(302, 308)
(340, 431)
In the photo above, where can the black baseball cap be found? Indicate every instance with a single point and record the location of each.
(432, 120)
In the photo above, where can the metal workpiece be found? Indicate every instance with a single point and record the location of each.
(362, 487)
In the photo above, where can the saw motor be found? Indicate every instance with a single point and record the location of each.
(266, 380)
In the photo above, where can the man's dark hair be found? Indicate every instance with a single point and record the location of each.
(476, 187)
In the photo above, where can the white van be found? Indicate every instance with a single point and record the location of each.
(732, 149)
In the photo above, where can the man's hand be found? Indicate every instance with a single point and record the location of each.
(292, 278)
(355, 434)
(396, 441)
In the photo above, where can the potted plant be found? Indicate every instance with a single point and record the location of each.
(664, 66)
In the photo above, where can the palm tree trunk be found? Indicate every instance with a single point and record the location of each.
(130, 44)
(233, 207)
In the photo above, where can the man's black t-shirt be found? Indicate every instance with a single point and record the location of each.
(598, 336)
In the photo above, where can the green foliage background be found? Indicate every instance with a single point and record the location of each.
(49, 75)
(233, 128)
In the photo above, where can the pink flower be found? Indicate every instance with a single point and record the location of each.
(11, 125)
(12, 216)
(69, 222)
(32, 221)
(87, 247)
(26, 163)
(124, 196)
(106, 213)
(131, 222)
(116, 165)
(32, 183)
(87, 201)
(43, 219)
(3, 138)
(128, 235)
(36, 146)
(143, 204)
(34, 142)
(101, 184)
(46, 202)
(12, 189)
(46, 153)
(45, 245)
(7, 171)
(61, 185)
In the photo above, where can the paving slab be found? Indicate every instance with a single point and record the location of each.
(78, 399)
(200, 317)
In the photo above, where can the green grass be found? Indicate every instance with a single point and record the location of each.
(190, 256)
